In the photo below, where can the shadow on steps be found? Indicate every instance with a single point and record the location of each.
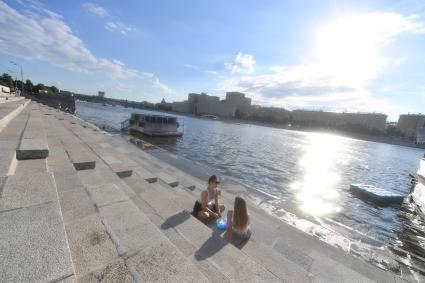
(175, 220)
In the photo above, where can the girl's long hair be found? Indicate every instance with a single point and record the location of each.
(241, 217)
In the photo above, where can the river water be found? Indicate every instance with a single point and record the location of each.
(309, 173)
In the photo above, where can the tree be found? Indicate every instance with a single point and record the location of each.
(28, 86)
(19, 84)
(6, 80)
(39, 87)
(54, 89)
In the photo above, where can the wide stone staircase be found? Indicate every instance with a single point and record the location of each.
(78, 204)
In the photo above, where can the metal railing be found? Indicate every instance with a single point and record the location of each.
(125, 124)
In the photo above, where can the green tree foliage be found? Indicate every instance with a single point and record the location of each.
(19, 84)
(54, 89)
(39, 87)
(28, 85)
(45, 89)
(7, 80)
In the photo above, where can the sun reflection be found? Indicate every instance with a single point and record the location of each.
(317, 189)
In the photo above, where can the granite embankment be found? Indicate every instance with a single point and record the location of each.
(77, 204)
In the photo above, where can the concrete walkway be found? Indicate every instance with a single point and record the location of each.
(82, 205)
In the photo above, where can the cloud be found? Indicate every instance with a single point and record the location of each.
(242, 63)
(345, 59)
(193, 67)
(119, 27)
(95, 9)
(45, 37)
(196, 68)
(212, 72)
(304, 87)
(112, 26)
(157, 84)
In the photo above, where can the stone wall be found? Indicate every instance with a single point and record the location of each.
(62, 102)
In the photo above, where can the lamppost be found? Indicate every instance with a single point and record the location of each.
(16, 80)
(22, 75)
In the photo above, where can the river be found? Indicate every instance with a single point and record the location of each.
(309, 173)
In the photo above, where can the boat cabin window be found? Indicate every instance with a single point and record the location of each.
(160, 120)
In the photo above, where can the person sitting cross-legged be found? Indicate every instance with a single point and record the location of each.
(207, 207)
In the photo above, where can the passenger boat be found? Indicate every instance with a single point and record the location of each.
(152, 125)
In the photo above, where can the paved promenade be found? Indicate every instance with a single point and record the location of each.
(80, 205)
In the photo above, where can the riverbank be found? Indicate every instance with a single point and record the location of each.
(97, 206)
(394, 140)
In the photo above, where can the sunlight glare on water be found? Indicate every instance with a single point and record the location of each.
(317, 191)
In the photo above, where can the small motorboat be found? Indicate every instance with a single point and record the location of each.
(376, 195)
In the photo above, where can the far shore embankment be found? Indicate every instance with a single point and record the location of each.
(394, 140)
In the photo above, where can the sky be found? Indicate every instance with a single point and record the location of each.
(360, 56)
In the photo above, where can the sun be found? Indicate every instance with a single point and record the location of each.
(347, 51)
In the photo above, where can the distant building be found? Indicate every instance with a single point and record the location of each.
(238, 99)
(202, 103)
(164, 105)
(410, 124)
(183, 107)
(373, 121)
(218, 108)
(101, 94)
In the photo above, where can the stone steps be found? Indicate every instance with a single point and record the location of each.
(92, 250)
(92, 179)
(233, 264)
(33, 242)
(209, 269)
(33, 245)
(121, 165)
(101, 243)
(9, 141)
(283, 268)
(9, 110)
(80, 155)
(33, 144)
(148, 253)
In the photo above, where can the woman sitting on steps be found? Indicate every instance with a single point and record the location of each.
(238, 221)
(207, 207)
